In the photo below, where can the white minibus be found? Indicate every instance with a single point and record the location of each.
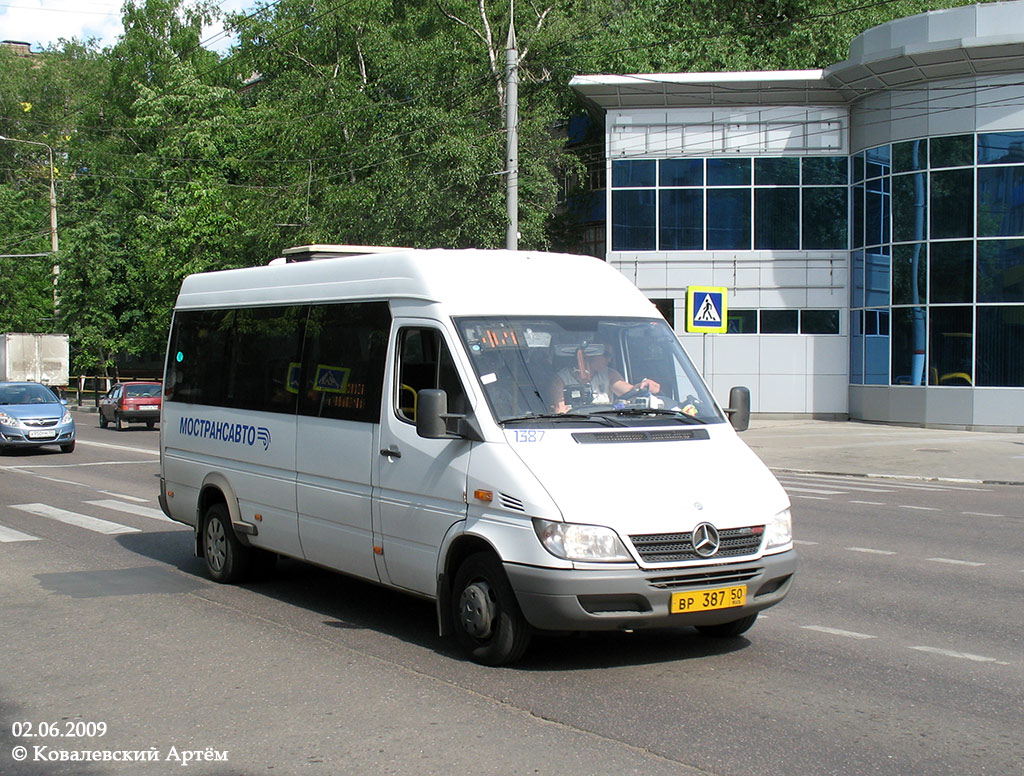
(517, 436)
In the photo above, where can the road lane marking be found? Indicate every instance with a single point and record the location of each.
(961, 655)
(869, 503)
(920, 509)
(792, 489)
(10, 535)
(120, 447)
(75, 519)
(804, 542)
(981, 514)
(131, 509)
(837, 632)
(813, 498)
(871, 551)
(955, 562)
(123, 496)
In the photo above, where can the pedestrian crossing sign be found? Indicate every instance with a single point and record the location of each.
(705, 309)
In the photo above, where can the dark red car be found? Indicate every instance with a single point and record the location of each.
(131, 402)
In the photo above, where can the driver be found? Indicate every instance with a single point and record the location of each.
(593, 369)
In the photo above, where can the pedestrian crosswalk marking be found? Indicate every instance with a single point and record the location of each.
(75, 519)
(131, 509)
(10, 535)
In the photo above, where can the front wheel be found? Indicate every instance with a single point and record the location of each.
(69, 447)
(729, 630)
(488, 622)
(119, 424)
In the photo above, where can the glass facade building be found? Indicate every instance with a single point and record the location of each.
(867, 220)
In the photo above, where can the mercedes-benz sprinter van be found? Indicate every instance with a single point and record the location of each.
(517, 436)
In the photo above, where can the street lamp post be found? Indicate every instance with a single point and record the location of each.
(53, 192)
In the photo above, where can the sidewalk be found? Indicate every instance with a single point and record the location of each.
(851, 447)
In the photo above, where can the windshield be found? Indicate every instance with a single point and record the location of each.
(533, 367)
(26, 394)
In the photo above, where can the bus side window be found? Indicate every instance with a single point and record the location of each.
(424, 361)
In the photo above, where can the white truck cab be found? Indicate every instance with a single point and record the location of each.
(517, 436)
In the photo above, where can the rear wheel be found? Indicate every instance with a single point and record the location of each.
(150, 424)
(488, 622)
(728, 630)
(227, 559)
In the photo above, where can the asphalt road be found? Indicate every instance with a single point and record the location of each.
(898, 652)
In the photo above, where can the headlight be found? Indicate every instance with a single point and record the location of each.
(572, 541)
(779, 530)
(7, 420)
(67, 417)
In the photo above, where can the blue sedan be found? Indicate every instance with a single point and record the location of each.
(31, 415)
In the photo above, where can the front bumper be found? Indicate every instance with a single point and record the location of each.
(618, 599)
(20, 437)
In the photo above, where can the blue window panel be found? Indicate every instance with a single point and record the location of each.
(877, 279)
(951, 272)
(633, 220)
(950, 344)
(633, 173)
(681, 172)
(1001, 148)
(682, 219)
(857, 279)
(728, 219)
(777, 171)
(858, 216)
(825, 171)
(1001, 271)
(876, 216)
(1001, 202)
(909, 156)
(728, 172)
(825, 214)
(1000, 346)
(877, 162)
(909, 207)
(777, 219)
(909, 345)
(951, 151)
(857, 347)
(952, 194)
(876, 347)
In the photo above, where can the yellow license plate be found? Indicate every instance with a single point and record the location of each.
(706, 600)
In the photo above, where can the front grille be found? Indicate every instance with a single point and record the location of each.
(706, 577)
(678, 547)
(39, 422)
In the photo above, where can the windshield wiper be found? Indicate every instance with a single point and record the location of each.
(677, 414)
(593, 417)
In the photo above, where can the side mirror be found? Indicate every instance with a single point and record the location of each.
(739, 408)
(431, 409)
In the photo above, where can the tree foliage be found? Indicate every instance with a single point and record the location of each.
(349, 121)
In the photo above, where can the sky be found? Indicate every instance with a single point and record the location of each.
(42, 22)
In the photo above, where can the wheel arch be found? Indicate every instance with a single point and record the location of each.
(216, 489)
(458, 549)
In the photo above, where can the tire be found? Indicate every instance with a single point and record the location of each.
(150, 424)
(486, 617)
(68, 448)
(227, 560)
(119, 424)
(728, 630)
(103, 421)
